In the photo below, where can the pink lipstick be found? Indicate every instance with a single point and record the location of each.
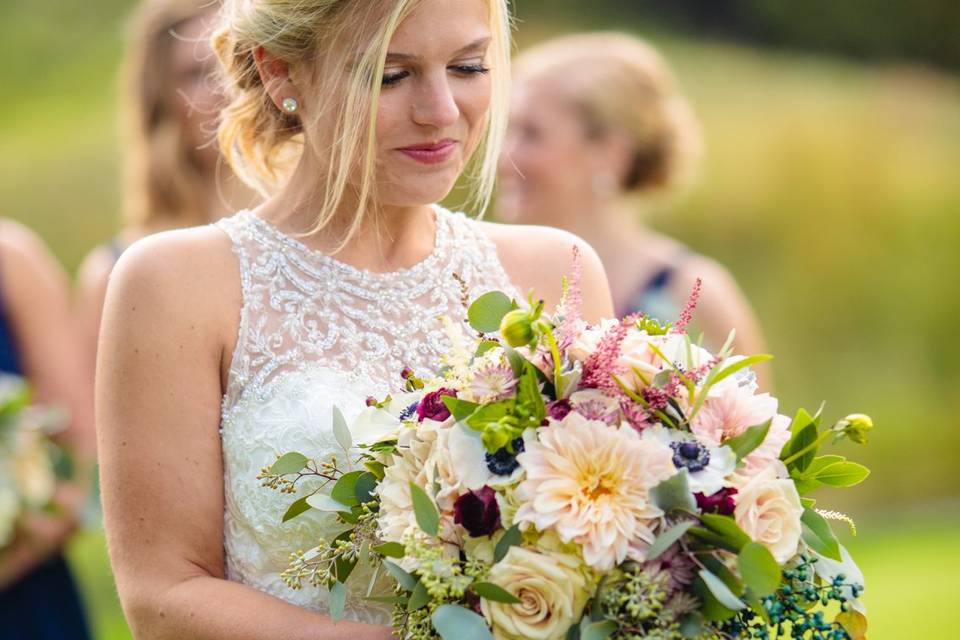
(431, 152)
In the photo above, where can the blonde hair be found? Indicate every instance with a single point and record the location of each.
(617, 82)
(317, 39)
(166, 184)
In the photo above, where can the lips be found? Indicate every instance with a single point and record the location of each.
(430, 152)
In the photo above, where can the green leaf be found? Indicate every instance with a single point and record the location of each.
(340, 429)
(843, 474)
(528, 393)
(323, 502)
(727, 528)
(404, 579)
(721, 591)
(854, 622)
(517, 361)
(363, 490)
(598, 630)
(425, 511)
(674, 493)
(711, 610)
(459, 409)
(485, 346)
(295, 509)
(691, 626)
(288, 463)
(818, 535)
(419, 598)
(345, 489)
(376, 468)
(804, 438)
(759, 569)
(713, 539)
(488, 310)
(388, 599)
(510, 538)
(746, 442)
(494, 593)
(667, 538)
(731, 369)
(454, 622)
(390, 549)
(338, 600)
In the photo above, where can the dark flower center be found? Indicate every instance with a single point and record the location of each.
(503, 463)
(691, 456)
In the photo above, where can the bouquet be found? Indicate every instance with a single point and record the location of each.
(558, 480)
(27, 456)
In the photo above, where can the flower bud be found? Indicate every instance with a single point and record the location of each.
(516, 327)
(855, 426)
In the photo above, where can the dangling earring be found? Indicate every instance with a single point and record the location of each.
(604, 184)
(290, 105)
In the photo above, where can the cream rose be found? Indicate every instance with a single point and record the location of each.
(768, 510)
(552, 590)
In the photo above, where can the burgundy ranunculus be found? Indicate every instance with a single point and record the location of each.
(431, 406)
(478, 512)
(558, 409)
(721, 502)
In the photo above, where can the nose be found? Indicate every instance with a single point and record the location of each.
(436, 104)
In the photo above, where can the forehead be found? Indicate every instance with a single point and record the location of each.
(437, 28)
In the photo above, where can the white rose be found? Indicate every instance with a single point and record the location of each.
(768, 510)
(33, 470)
(552, 590)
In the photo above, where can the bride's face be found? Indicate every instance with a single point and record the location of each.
(434, 100)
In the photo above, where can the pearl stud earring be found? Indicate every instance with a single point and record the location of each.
(290, 105)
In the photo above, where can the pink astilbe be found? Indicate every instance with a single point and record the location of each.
(687, 314)
(601, 365)
(569, 307)
(635, 415)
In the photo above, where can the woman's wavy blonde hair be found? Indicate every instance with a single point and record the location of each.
(319, 39)
(165, 181)
(618, 82)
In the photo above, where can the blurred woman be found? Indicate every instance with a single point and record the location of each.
(598, 131)
(38, 598)
(173, 175)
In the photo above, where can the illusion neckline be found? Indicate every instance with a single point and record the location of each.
(441, 234)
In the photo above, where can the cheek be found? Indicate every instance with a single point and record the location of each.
(473, 99)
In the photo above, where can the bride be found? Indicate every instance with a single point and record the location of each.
(226, 345)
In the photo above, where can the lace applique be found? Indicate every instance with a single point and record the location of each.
(316, 332)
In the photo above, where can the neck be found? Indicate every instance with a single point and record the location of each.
(390, 238)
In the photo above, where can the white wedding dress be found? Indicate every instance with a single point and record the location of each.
(314, 333)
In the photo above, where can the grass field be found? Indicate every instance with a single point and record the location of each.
(830, 189)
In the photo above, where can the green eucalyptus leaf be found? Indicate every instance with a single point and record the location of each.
(598, 630)
(485, 346)
(288, 463)
(338, 601)
(454, 622)
(843, 474)
(667, 538)
(510, 538)
(404, 579)
(340, 429)
(425, 510)
(494, 593)
(721, 591)
(391, 549)
(323, 502)
(674, 493)
(817, 534)
(419, 598)
(345, 489)
(363, 490)
(746, 442)
(727, 528)
(378, 469)
(759, 569)
(300, 506)
(488, 310)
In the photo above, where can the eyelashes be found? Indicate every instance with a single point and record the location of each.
(465, 70)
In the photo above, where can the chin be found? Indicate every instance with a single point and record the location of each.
(419, 190)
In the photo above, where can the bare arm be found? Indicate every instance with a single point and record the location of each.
(171, 306)
(36, 296)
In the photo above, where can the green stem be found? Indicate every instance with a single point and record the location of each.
(555, 352)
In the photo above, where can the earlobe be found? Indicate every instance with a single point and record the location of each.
(275, 76)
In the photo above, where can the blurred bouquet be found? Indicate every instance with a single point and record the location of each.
(28, 458)
(561, 481)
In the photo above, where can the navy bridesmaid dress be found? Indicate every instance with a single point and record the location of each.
(45, 604)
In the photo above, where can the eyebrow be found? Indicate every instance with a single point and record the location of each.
(476, 45)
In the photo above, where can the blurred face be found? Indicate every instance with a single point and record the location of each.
(548, 165)
(434, 98)
(193, 88)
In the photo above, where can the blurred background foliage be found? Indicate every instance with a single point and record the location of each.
(830, 187)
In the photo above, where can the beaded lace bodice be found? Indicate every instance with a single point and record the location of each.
(316, 332)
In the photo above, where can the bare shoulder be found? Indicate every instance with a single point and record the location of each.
(187, 277)
(22, 250)
(537, 258)
(94, 271)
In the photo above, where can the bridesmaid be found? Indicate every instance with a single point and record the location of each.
(38, 597)
(174, 178)
(598, 133)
